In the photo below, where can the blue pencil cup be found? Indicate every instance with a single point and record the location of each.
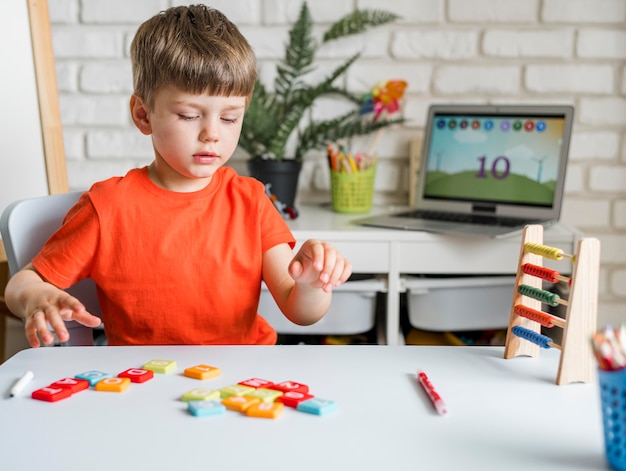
(613, 399)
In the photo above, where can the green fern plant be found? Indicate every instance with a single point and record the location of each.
(273, 116)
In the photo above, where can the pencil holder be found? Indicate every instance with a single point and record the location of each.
(353, 192)
(613, 399)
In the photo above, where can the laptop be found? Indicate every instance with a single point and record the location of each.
(488, 170)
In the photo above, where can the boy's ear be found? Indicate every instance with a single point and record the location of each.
(139, 114)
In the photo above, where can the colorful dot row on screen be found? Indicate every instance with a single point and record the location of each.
(101, 381)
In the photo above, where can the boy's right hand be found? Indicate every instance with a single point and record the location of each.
(43, 307)
(51, 311)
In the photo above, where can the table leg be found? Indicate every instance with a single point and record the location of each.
(393, 297)
(4, 311)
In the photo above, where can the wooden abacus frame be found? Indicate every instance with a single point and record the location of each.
(576, 359)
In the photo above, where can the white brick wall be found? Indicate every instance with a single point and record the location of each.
(476, 51)
(528, 43)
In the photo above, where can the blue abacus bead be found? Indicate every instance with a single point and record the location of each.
(318, 406)
(532, 336)
(206, 408)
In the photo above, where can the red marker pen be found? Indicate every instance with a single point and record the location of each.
(434, 397)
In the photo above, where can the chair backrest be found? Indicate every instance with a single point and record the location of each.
(25, 226)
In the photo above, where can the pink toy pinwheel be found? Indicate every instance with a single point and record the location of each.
(384, 97)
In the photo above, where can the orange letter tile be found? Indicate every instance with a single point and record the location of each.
(113, 384)
(266, 410)
(202, 372)
(239, 403)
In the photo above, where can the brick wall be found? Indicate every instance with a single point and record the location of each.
(472, 51)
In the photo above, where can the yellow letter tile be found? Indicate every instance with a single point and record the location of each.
(235, 390)
(199, 394)
(265, 395)
(160, 366)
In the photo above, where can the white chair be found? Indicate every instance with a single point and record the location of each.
(25, 226)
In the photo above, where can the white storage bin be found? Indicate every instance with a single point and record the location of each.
(455, 304)
(352, 310)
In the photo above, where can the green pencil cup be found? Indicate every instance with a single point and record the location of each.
(613, 399)
(353, 192)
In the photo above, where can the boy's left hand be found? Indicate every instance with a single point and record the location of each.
(319, 265)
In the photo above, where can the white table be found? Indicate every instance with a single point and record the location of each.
(503, 414)
(392, 253)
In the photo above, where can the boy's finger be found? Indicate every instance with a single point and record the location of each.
(73, 310)
(38, 324)
(54, 318)
(330, 264)
(85, 318)
(31, 336)
(295, 269)
(337, 272)
(316, 253)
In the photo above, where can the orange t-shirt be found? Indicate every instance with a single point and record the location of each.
(171, 268)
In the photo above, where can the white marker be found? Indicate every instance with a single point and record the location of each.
(21, 383)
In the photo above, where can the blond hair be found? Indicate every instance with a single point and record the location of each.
(195, 49)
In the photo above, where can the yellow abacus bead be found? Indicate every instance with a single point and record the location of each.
(552, 253)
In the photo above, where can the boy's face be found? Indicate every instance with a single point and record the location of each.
(192, 135)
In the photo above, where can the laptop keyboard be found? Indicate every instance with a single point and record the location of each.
(466, 218)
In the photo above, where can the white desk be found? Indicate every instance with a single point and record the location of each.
(393, 253)
(503, 414)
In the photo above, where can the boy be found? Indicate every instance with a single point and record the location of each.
(178, 249)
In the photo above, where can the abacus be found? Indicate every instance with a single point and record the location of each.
(523, 334)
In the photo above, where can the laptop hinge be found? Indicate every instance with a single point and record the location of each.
(484, 208)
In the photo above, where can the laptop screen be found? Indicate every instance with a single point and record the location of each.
(503, 156)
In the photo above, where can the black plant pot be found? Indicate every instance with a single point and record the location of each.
(282, 175)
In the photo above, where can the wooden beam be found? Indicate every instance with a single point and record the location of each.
(49, 110)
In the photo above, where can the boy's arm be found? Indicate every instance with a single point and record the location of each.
(302, 284)
(43, 305)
